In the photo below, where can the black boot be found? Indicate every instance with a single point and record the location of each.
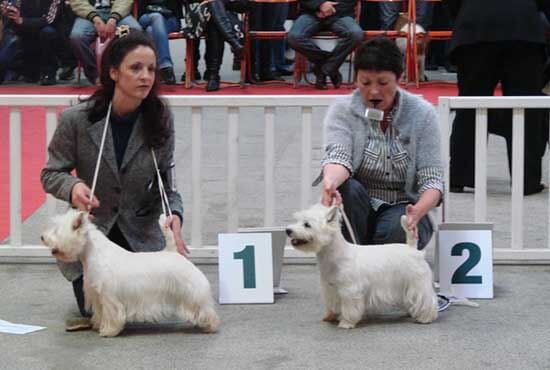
(221, 18)
(214, 57)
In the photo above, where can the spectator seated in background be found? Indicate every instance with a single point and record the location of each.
(320, 15)
(9, 45)
(39, 24)
(97, 18)
(158, 18)
(218, 20)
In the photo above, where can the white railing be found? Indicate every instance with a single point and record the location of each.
(196, 104)
(517, 251)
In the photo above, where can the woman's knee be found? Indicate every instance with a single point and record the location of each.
(352, 189)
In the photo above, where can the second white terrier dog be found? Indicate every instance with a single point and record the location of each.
(359, 280)
(121, 286)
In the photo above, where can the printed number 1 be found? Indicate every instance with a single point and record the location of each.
(461, 274)
(249, 266)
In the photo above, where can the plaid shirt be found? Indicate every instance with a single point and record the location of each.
(383, 169)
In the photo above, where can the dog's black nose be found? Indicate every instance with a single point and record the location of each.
(42, 238)
(288, 232)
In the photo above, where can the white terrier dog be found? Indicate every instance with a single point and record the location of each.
(121, 286)
(360, 280)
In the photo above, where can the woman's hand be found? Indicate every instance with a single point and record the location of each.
(413, 217)
(80, 197)
(174, 223)
(334, 175)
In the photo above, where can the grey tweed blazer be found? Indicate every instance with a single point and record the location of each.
(128, 196)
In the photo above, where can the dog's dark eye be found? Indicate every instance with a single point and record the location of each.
(306, 224)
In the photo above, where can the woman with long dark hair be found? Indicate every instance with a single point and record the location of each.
(128, 203)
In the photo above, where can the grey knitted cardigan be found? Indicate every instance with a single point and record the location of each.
(415, 121)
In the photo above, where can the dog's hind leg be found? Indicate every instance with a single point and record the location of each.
(422, 303)
(113, 318)
(352, 311)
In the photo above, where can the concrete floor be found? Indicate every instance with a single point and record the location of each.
(511, 331)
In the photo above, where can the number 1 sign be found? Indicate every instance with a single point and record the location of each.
(245, 268)
(466, 260)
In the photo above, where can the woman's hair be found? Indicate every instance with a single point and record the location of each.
(379, 54)
(153, 109)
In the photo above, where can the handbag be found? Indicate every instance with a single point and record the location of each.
(195, 18)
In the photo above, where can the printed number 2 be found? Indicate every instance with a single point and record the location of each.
(460, 275)
(249, 266)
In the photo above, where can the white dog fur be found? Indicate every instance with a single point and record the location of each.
(360, 280)
(121, 286)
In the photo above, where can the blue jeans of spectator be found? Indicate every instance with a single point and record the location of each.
(381, 226)
(9, 46)
(390, 11)
(158, 27)
(349, 36)
(82, 36)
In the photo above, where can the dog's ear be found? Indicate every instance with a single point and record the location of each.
(332, 213)
(78, 220)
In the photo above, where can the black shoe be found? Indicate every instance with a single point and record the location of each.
(213, 84)
(457, 189)
(431, 67)
(268, 76)
(284, 72)
(48, 80)
(450, 68)
(534, 190)
(31, 79)
(197, 76)
(320, 79)
(167, 76)
(336, 79)
(66, 74)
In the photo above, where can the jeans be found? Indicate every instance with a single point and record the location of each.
(82, 36)
(307, 25)
(8, 49)
(377, 227)
(390, 11)
(158, 27)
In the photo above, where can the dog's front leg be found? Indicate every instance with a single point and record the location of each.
(113, 317)
(352, 309)
(332, 301)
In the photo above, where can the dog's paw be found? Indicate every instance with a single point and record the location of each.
(330, 317)
(346, 324)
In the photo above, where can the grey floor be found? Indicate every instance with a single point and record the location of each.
(511, 331)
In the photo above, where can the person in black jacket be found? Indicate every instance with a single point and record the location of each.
(158, 18)
(497, 41)
(319, 15)
(41, 28)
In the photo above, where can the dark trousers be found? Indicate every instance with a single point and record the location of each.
(349, 36)
(518, 66)
(115, 235)
(266, 17)
(377, 227)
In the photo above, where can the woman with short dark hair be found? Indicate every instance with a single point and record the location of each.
(382, 152)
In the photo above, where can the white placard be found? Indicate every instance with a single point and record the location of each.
(466, 260)
(245, 268)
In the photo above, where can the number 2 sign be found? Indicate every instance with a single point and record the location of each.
(466, 260)
(245, 268)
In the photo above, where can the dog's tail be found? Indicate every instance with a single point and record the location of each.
(168, 235)
(411, 241)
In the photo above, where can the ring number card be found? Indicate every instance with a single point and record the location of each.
(466, 260)
(245, 268)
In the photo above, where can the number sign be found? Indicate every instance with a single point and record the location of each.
(466, 260)
(245, 268)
